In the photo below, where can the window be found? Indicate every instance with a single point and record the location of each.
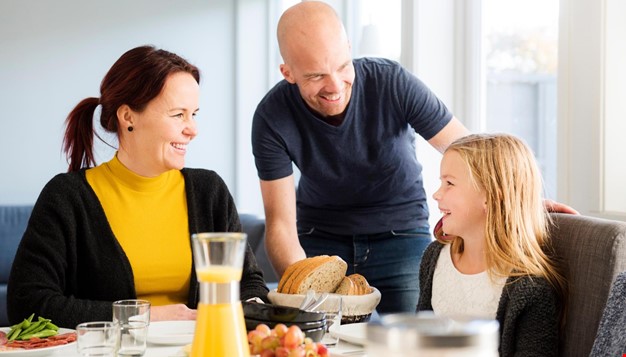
(520, 41)
(375, 29)
(614, 107)
(373, 26)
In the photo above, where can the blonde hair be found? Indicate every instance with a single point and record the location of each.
(517, 224)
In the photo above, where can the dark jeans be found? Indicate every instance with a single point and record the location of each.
(390, 261)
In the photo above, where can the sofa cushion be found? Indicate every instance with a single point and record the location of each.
(13, 221)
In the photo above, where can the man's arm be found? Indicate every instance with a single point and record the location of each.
(452, 131)
(281, 234)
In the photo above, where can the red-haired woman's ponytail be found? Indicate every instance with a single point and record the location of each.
(79, 133)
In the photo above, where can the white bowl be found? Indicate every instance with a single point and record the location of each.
(355, 308)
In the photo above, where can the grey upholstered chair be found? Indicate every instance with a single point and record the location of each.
(611, 337)
(254, 226)
(594, 253)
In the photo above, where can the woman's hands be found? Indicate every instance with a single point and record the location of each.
(172, 312)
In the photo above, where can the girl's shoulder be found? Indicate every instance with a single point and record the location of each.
(432, 250)
(529, 286)
(435, 246)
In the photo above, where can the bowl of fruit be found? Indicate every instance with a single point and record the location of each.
(283, 341)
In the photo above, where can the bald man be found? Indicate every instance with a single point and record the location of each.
(349, 126)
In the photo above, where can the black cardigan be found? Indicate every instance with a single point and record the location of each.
(69, 266)
(527, 312)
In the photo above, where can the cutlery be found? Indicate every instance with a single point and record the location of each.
(310, 296)
(318, 302)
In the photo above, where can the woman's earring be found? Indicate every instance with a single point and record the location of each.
(130, 128)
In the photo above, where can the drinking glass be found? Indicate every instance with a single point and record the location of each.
(332, 308)
(98, 338)
(132, 317)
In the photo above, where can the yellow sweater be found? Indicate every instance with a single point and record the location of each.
(148, 217)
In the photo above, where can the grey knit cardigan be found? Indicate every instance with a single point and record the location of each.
(69, 266)
(528, 311)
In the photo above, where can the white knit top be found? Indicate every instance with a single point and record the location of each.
(458, 294)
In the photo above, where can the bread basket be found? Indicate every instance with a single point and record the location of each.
(355, 308)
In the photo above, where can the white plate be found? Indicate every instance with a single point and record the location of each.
(353, 333)
(37, 352)
(171, 332)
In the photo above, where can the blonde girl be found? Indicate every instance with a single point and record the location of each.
(492, 256)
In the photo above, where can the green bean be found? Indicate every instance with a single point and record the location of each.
(32, 327)
(40, 334)
(41, 327)
(15, 327)
(28, 329)
(51, 326)
(13, 334)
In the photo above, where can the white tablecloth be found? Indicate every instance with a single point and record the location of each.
(342, 349)
(152, 351)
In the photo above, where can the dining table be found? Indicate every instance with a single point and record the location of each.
(151, 351)
(168, 339)
(342, 349)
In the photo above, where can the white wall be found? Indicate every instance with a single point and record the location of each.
(255, 41)
(432, 60)
(55, 53)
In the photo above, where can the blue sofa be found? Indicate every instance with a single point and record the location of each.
(13, 221)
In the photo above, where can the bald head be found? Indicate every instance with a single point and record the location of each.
(316, 55)
(309, 26)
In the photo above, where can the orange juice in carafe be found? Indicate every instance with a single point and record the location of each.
(213, 336)
(218, 274)
(220, 326)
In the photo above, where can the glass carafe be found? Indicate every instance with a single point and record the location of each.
(220, 326)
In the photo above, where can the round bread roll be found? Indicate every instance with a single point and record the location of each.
(346, 287)
(363, 287)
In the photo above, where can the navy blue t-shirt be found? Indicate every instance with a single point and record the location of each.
(362, 176)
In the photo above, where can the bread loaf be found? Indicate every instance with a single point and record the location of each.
(324, 276)
(291, 271)
(286, 275)
(301, 273)
(322, 273)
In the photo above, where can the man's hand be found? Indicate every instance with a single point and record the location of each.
(553, 206)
